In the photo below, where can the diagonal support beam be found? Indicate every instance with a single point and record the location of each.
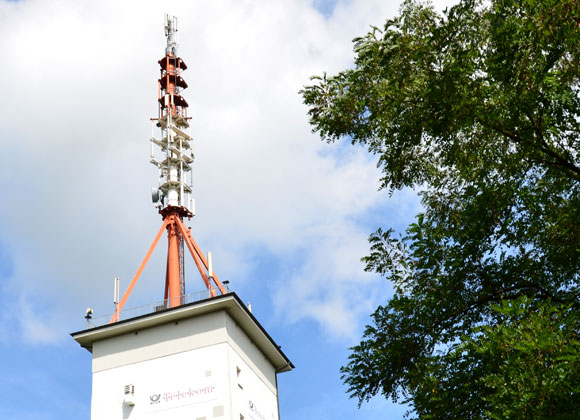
(115, 316)
(196, 251)
(196, 259)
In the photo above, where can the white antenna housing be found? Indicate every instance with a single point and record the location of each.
(171, 34)
(175, 165)
(117, 291)
(209, 264)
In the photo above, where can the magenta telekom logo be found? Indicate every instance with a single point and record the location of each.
(181, 395)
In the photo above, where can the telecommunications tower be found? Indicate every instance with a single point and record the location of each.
(173, 196)
(193, 356)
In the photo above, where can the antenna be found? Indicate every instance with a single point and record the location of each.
(174, 141)
(210, 266)
(171, 151)
(117, 285)
(116, 294)
(170, 33)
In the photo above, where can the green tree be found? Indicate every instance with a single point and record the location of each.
(479, 110)
(525, 365)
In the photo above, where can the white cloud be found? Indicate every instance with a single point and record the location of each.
(79, 84)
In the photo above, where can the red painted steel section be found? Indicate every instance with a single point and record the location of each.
(196, 259)
(115, 317)
(195, 250)
(172, 277)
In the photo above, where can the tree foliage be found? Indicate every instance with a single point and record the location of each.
(525, 365)
(479, 110)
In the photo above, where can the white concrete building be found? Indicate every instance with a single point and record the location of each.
(209, 359)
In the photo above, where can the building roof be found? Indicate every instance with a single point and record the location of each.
(229, 303)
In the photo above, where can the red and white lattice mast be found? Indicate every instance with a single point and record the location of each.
(173, 194)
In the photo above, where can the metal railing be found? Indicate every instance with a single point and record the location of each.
(149, 308)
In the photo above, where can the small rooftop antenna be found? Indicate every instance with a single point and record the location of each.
(116, 295)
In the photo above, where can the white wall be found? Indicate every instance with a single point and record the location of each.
(199, 368)
(188, 385)
(159, 341)
(250, 395)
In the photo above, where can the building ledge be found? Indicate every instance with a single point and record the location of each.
(229, 303)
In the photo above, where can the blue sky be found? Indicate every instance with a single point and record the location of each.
(285, 215)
